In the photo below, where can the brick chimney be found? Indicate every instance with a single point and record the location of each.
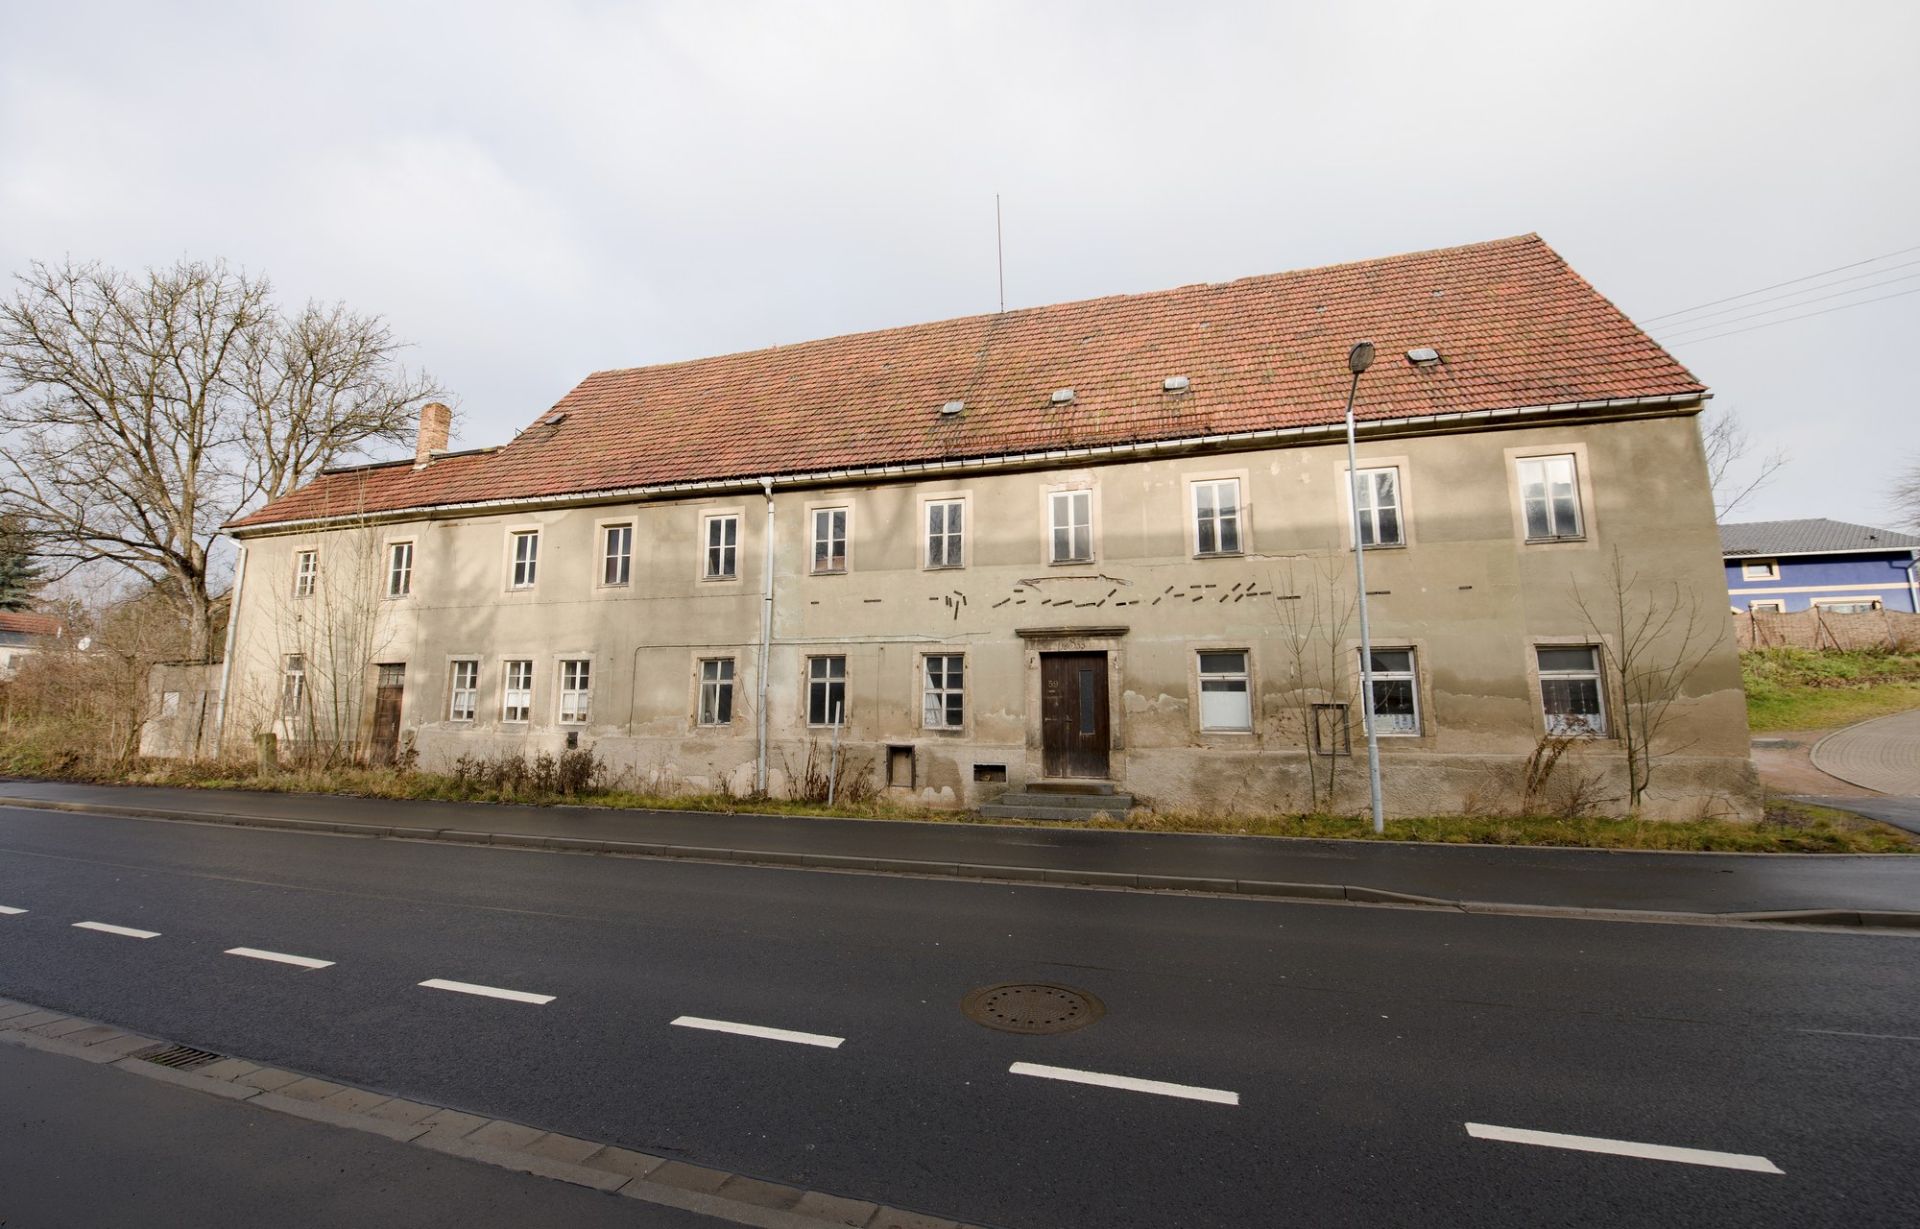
(435, 421)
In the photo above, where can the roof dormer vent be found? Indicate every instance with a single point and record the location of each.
(1061, 396)
(951, 408)
(1424, 356)
(1176, 384)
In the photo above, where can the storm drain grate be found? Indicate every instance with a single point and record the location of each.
(1032, 1007)
(180, 1058)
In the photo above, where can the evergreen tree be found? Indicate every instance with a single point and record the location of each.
(19, 570)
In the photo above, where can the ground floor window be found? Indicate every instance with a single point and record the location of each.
(944, 706)
(516, 702)
(466, 691)
(716, 691)
(1773, 606)
(1396, 692)
(826, 690)
(293, 687)
(1570, 694)
(1226, 703)
(576, 691)
(1846, 605)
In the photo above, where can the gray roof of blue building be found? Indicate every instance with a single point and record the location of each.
(1812, 537)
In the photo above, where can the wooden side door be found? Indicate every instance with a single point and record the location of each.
(387, 695)
(1074, 731)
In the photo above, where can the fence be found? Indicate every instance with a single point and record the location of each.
(1823, 629)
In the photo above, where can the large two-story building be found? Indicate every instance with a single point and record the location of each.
(1107, 542)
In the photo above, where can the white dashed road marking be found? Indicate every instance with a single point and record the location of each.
(305, 962)
(10, 909)
(491, 992)
(1621, 1147)
(755, 1030)
(1219, 1096)
(128, 931)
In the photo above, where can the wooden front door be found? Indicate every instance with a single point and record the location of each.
(386, 713)
(1074, 732)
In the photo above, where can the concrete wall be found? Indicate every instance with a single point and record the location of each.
(1466, 592)
(182, 710)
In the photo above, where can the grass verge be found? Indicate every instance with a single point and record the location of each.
(1800, 689)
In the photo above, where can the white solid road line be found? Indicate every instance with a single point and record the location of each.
(1219, 1096)
(10, 909)
(305, 962)
(1621, 1147)
(128, 931)
(755, 1030)
(491, 992)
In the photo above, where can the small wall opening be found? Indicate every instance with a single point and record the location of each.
(990, 772)
(899, 767)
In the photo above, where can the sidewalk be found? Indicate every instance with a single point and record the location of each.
(1531, 877)
(1882, 754)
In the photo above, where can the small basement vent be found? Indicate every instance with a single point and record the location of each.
(989, 772)
(179, 1057)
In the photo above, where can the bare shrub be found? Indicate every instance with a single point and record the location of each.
(852, 784)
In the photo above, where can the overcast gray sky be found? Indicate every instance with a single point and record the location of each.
(533, 192)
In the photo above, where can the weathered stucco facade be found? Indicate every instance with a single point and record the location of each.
(1466, 591)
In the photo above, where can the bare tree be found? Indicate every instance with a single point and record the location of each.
(1653, 638)
(142, 412)
(1727, 447)
(1906, 496)
(337, 631)
(1315, 610)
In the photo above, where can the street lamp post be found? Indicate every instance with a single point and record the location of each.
(1358, 360)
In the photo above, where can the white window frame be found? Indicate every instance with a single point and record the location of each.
(575, 701)
(824, 514)
(1411, 677)
(941, 689)
(509, 668)
(712, 524)
(306, 572)
(952, 541)
(1371, 506)
(820, 674)
(1767, 569)
(1222, 525)
(456, 711)
(1074, 501)
(1544, 462)
(1224, 682)
(400, 569)
(523, 567)
(293, 687)
(713, 683)
(619, 562)
(1872, 602)
(1767, 605)
(1597, 674)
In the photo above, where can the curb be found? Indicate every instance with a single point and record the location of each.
(1321, 893)
(739, 1198)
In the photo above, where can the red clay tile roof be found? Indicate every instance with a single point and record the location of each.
(1515, 327)
(29, 624)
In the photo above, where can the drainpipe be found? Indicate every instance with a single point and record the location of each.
(766, 641)
(226, 660)
(1913, 585)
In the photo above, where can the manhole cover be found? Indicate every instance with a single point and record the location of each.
(1032, 1007)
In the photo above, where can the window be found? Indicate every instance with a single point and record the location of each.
(1550, 497)
(1570, 691)
(169, 704)
(829, 539)
(516, 702)
(616, 555)
(1396, 693)
(723, 547)
(526, 558)
(945, 705)
(1377, 494)
(826, 690)
(465, 692)
(400, 569)
(1767, 607)
(1072, 526)
(306, 569)
(1216, 517)
(1225, 700)
(945, 534)
(1760, 569)
(293, 688)
(1846, 605)
(716, 691)
(576, 690)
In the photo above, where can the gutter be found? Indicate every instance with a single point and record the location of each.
(766, 641)
(226, 661)
(1462, 419)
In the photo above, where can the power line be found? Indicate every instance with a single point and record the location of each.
(1794, 294)
(1792, 281)
(1825, 311)
(1719, 324)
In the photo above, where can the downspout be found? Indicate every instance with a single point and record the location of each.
(226, 660)
(1913, 585)
(766, 642)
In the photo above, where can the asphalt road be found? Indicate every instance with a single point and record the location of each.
(87, 1147)
(1356, 1043)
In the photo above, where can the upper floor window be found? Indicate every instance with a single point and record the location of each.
(944, 701)
(1396, 695)
(723, 547)
(1550, 497)
(1760, 569)
(1570, 694)
(1226, 701)
(576, 690)
(826, 690)
(829, 539)
(1071, 527)
(1216, 517)
(716, 691)
(946, 533)
(306, 570)
(464, 694)
(516, 697)
(616, 556)
(526, 558)
(1377, 495)
(400, 569)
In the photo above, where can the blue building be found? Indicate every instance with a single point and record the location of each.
(1798, 565)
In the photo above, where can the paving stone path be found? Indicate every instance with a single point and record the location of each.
(1882, 754)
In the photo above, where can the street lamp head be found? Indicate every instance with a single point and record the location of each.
(1360, 357)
